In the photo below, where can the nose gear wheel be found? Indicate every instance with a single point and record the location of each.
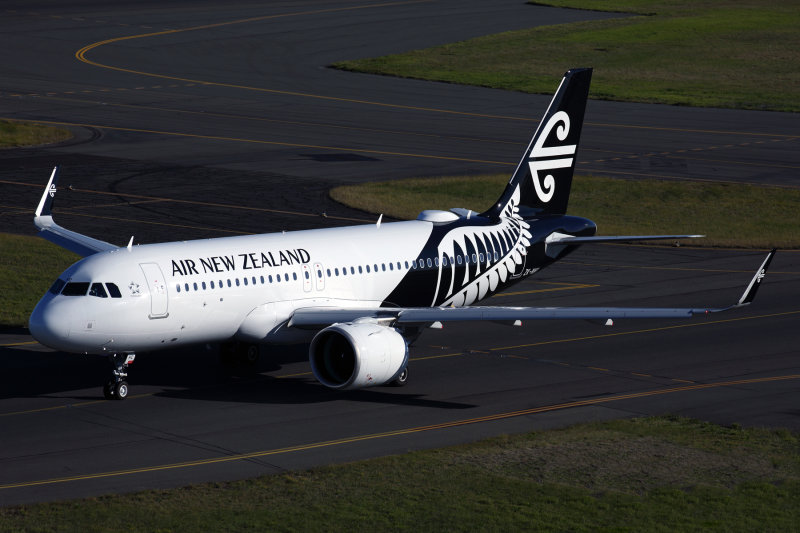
(117, 387)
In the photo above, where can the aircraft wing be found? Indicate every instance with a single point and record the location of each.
(48, 229)
(315, 317)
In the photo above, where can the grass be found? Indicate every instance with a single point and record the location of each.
(17, 134)
(28, 266)
(742, 54)
(731, 215)
(647, 474)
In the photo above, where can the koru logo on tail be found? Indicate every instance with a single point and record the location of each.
(543, 158)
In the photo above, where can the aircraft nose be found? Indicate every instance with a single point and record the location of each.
(49, 325)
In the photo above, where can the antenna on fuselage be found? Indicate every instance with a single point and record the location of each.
(378, 223)
(130, 244)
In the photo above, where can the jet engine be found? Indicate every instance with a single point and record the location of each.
(357, 354)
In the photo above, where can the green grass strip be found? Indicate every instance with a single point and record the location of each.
(649, 474)
(713, 53)
(731, 215)
(17, 134)
(28, 266)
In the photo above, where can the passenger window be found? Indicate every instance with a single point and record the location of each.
(398, 265)
(436, 261)
(195, 286)
(329, 272)
(98, 290)
(212, 284)
(360, 271)
(383, 267)
(269, 278)
(444, 261)
(391, 266)
(481, 258)
(245, 281)
(229, 283)
(344, 271)
(278, 278)
(178, 287)
(352, 270)
(421, 263)
(75, 289)
(336, 270)
(319, 273)
(429, 262)
(286, 277)
(253, 279)
(474, 258)
(406, 263)
(204, 285)
(367, 269)
(262, 280)
(458, 259)
(306, 274)
(294, 276)
(376, 267)
(186, 286)
(57, 286)
(237, 282)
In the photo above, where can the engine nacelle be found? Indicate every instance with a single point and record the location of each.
(357, 354)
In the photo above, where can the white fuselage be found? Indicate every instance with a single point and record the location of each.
(215, 289)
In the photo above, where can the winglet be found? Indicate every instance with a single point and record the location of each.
(45, 206)
(750, 292)
(48, 229)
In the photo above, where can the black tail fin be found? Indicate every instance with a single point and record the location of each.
(541, 183)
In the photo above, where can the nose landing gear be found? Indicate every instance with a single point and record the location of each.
(117, 387)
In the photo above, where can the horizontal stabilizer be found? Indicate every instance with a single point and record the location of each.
(561, 238)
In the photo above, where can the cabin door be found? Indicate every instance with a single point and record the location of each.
(158, 290)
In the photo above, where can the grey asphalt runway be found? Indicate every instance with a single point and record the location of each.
(197, 120)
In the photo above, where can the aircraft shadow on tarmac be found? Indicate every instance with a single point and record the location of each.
(194, 373)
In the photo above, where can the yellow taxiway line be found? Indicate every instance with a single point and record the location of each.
(395, 433)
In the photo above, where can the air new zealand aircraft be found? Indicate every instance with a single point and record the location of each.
(359, 294)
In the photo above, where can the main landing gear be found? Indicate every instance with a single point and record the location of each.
(401, 380)
(117, 388)
(236, 353)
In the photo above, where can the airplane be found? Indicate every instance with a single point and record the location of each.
(360, 294)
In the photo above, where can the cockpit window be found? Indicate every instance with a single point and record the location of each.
(98, 290)
(57, 286)
(78, 288)
(113, 290)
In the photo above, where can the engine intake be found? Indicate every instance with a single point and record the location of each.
(357, 354)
